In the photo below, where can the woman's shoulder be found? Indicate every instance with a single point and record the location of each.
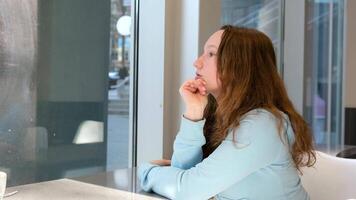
(258, 122)
(259, 116)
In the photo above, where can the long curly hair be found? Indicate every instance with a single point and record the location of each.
(246, 68)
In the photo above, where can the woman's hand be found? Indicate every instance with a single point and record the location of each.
(194, 95)
(162, 162)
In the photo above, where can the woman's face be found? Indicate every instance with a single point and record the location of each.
(206, 64)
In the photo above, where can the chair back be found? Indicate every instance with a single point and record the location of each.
(89, 131)
(331, 178)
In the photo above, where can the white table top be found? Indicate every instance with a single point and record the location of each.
(67, 189)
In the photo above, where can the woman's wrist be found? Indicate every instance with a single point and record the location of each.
(194, 114)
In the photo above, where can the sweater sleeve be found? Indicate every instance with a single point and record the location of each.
(187, 148)
(257, 146)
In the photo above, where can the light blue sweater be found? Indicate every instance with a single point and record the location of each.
(258, 166)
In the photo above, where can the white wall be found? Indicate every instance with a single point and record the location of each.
(294, 51)
(180, 29)
(168, 45)
(350, 64)
(209, 20)
(150, 80)
(172, 69)
(189, 25)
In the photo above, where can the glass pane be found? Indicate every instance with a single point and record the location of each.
(323, 70)
(264, 15)
(64, 103)
(119, 85)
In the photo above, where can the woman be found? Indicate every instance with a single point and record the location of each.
(240, 137)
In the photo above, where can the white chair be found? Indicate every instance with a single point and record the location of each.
(332, 178)
(89, 132)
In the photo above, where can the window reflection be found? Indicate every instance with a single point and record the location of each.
(18, 49)
(264, 15)
(119, 85)
(323, 70)
(65, 89)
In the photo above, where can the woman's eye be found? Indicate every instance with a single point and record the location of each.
(211, 54)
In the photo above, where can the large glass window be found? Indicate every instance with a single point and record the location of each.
(264, 15)
(119, 85)
(64, 100)
(323, 70)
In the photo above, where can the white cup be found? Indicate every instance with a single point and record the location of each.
(2, 184)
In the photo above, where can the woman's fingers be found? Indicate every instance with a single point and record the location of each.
(190, 88)
(202, 81)
(201, 86)
(195, 86)
(162, 162)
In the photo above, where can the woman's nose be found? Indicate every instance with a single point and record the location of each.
(198, 63)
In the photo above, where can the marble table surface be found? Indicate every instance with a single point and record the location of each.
(114, 185)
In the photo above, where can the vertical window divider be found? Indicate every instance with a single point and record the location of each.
(328, 118)
(282, 40)
(345, 19)
(135, 82)
(135, 41)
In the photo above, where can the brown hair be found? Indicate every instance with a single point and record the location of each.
(246, 68)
